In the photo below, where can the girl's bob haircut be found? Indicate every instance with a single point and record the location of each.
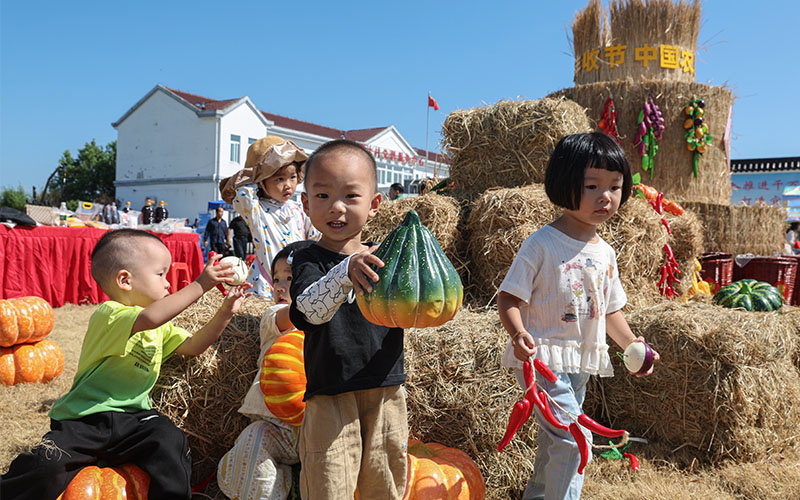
(563, 179)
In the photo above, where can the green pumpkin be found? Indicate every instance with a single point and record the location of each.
(418, 286)
(749, 294)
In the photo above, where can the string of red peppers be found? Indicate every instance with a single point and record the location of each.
(608, 120)
(670, 270)
(522, 409)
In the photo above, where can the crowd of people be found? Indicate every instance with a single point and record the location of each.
(559, 302)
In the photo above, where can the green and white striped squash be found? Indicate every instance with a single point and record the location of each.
(418, 286)
(749, 294)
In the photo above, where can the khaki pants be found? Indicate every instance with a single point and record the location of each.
(357, 438)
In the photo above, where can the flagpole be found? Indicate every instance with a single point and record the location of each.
(427, 125)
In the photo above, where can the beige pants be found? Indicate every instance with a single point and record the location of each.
(354, 439)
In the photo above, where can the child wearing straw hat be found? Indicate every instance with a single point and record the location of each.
(562, 295)
(261, 193)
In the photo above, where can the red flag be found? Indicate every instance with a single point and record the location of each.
(432, 103)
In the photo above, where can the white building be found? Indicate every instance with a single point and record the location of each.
(175, 146)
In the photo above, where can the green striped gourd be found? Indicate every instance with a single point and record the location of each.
(418, 286)
(749, 294)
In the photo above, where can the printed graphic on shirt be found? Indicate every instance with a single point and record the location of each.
(585, 278)
(142, 355)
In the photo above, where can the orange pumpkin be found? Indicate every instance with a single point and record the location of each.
(438, 472)
(283, 378)
(94, 483)
(39, 362)
(25, 319)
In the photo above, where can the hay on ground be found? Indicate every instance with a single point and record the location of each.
(501, 219)
(725, 388)
(507, 144)
(202, 394)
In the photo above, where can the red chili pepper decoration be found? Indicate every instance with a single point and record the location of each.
(608, 120)
(219, 285)
(515, 421)
(544, 370)
(544, 407)
(666, 225)
(597, 428)
(634, 461)
(530, 394)
(583, 445)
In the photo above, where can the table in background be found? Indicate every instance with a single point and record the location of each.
(55, 262)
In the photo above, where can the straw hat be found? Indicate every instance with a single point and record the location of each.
(264, 157)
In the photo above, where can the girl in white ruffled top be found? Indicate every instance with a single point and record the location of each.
(262, 193)
(563, 293)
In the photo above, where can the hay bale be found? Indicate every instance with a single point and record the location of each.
(501, 219)
(202, 394)
(458, 395)
(741, 229)
(633, 23)
(673, 163)
(725, 386)
(438, 213)
(509, 143)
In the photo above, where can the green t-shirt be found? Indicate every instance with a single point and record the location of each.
(117, 369)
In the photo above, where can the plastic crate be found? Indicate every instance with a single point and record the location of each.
(777, 271)
(717, 269)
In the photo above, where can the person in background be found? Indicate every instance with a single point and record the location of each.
(396, 191)
(217, 233)
(196, 223)
(241, 236)
(790, 247)
(262, 192)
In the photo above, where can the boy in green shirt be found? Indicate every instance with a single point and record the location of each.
(106, 416)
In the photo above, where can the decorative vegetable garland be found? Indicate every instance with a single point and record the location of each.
(697, 136)
(651, 126)
(522, 410)
(608, 120)
(698, 284)
(669, 270)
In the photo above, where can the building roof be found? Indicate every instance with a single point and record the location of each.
(786, 164)
(357, 135)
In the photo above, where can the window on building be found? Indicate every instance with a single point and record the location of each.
(235, 147)
(250, 141)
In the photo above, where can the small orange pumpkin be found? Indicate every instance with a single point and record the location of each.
(438, 472)
(39, 362)
(94, 483)
(283, 378)
(26, 319)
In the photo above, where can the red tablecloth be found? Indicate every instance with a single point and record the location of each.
(55, 262)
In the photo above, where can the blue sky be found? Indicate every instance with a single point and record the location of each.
(69, 69)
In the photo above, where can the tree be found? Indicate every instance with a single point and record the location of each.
(89, 177)
(14, 198)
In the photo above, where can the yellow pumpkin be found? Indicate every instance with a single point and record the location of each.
(39, 362)
(283, 378)
(438, 472)
(94, 483)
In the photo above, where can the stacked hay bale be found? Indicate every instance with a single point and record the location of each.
(741, 229)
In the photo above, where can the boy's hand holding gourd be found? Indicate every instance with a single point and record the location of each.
(360, 271)
(213, 273)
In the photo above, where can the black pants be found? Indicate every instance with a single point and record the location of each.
(147, 439)
(240, 247)
(220, 248)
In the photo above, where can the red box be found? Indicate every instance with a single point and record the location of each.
(777, 271)
(717, 269)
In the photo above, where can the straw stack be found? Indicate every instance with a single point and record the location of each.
(507, 144)
(634, 23)
(741, 229)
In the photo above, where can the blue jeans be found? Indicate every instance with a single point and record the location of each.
(555, 468)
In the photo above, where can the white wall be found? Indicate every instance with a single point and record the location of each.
(165, 139)
(244, 122)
